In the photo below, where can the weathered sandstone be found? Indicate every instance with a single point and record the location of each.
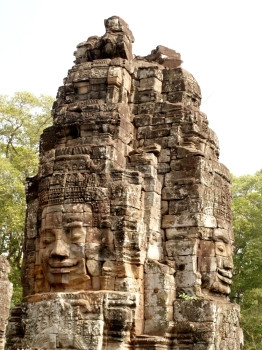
(129, 236)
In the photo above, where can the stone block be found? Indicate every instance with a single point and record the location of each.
(146, 108)
(194, 310)
(155, 267)
(185, 247)
(186, 263)
(152, 185)
(143, 120)
(159, 297)
(153, 312)
(151, 83)
(159, 281)
(128, 196)
(149, 171)
(164, 207)
(156, 326)
(155, 252)
(150, 132)
(123, 269)
(187, 280)
(115, 76)
(164, 156)
(174, 192)
(158, 119)
(148, 72)
(207, 248)
(152, 200)
(163, 168)
(187, 219)
(143, 158)
(128, 284)
(162, 141)
(146, 96)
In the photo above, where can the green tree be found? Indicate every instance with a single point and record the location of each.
(247, 282)
(23, 117)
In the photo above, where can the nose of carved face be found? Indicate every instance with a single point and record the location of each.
(61, 260)
(60, 250)
(228, 263)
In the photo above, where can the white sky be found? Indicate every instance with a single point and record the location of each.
(219, 42)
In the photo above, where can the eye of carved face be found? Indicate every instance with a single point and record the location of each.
(76, 233)
(47, 237)
(220, 248)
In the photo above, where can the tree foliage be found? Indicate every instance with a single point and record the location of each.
(23, 117)
(247, 282)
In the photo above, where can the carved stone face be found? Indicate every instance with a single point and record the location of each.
(62, 246)
(215, 263)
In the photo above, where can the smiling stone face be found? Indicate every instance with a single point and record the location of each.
(62, 246)
(222, 280)
(215, 263)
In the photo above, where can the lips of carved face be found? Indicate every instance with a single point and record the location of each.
(225, 276)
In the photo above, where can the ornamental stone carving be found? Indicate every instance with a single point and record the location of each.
(128, 241)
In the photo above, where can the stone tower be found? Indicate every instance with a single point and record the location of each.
(129, 237)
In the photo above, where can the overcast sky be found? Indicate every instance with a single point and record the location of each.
(219, 42)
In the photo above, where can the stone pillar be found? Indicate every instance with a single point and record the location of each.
(129, 230)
